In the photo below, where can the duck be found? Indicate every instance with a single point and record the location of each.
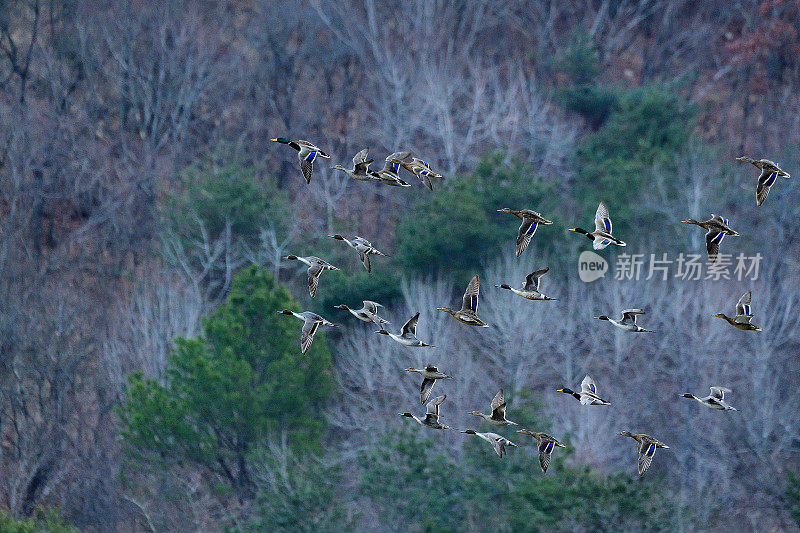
(420, 168)
(311, 322)
(530, 221)
(716, 229)
(360, 169)
(316, 267)
(498, 415)
(628, 320)
(769, 173)
(468, 314)
(429, 376)
(498, 442)
(306, 154)
(546, 445)
(601, 237)
(388, 175)
(408, 334)
(588, 394)
(744, 314)
(530, 289)
(647, 448)
(431, 419)
(367, 313)
(362, 246)
(715, 400)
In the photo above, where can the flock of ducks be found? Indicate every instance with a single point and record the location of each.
(716, 227)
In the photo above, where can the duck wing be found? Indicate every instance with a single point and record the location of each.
(525, 234)
(588, 385)
(713, 240)
(370, 306)
(364, 256)
(425, 389)
(646, 452)
(533, 279)
(545, 451)
(719, 392)
(765, 181)
(410, 327)
(629, 316)
(602, 220)
(314, 272)
(499, 406)
(307, 334)
(432, 413)
(743, 305)
(470, 300)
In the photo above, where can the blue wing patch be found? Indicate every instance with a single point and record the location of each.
(311, 157)
(593, 388)
(605, 241)
(473, 302)
(725, 220)
(532, 229)
(651, 450)
(771, 179)
(396, 166)
(549, 447)
(747, 309)
(718, 237)
(607, 224)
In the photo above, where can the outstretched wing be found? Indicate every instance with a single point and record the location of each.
(432, 413)
(314, 272)
(425, 389)
(470, 301)
(719, 392)
(307, 335)
(533, 279)
(629, 315)
(765, 181)
(365, 260)
(587, 385)
(370, 306)
(545, 451)
(499, 406)
(360, 157)
(743, 305)
(602, 220)
(713, 239)
(410, 327)
(646, 452)
(525, 234)
(307, 163)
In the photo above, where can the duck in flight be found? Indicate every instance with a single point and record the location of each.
(316, 267)
(431, 419)
(769, 173)
(429, 376)
(408, 334)
(311, 322)
(468, 314)
(530, 289)
(647, 448)
(588, 394)
(715, 400)
(498, 414)
(601, 236)
(498, 442)
(628, 320)
(306, 154)
(716, 229)
(530, 221)
(367, 313)
(421, 169)
(360, 170)
(546, 446)
(362, 246)
(744, 314)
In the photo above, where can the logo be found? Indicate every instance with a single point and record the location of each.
(591, 266)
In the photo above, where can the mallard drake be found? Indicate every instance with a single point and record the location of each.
(362, 246)
(716, 228)
(408, 334)
(546, 444)
(498, 442)
(588, 394)
(530, 289)
(715, 400)
(431, 419)
(601, 236)
(306, 154)
(421, 169)
(315, 268)
(429, 376)
(468, 314)
(743, 314)
(360, 169)
(388, 175)
(498, 415)
(769, 173)
(530, 221)
(628, 320)
(311, 322)
(647, 448)
(367, 313)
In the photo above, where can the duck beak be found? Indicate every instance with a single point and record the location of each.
(274, 140)
(571, 229)
(559, 390)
